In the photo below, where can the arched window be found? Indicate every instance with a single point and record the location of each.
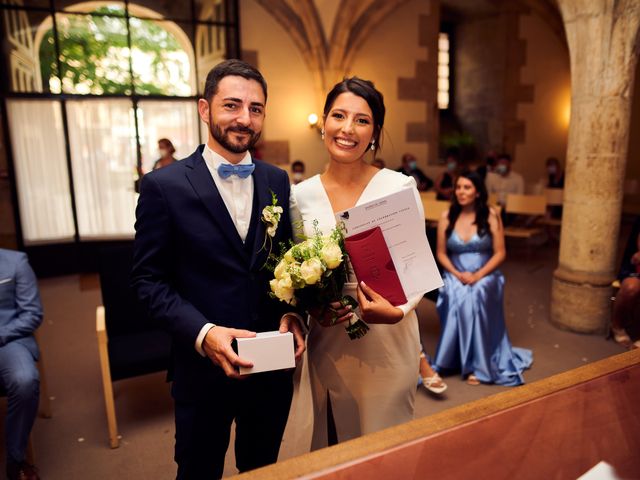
(89, 89)
(102, 51)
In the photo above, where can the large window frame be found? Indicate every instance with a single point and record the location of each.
(229, 27)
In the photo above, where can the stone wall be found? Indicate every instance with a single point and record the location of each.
(479, 79)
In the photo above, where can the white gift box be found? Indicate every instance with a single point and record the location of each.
(267, 351)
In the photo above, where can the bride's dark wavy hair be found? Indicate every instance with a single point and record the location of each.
(366, 90)
(481, 206)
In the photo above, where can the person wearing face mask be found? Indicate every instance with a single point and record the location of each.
(503, 180)
(555, 179)
(444, 183)
(555, 173)
(166, 151)
(410, 169)
(297, 172)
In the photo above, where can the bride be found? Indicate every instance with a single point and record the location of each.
(363, 385)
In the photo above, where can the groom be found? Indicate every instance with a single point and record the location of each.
(198, 258)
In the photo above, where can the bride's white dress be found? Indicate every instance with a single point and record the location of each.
(371, 381)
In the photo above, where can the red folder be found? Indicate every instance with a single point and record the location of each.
(373, 265)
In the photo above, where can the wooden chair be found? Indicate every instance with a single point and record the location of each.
(430, 195)
(554, 198)
(433, 210)
(532, 206)
(129, 344)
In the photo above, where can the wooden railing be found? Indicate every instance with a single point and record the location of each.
(558, 428)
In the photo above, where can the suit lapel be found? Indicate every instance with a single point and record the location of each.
(200, 178)
(262, 191)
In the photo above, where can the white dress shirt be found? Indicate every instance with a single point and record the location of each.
(237, 195)
(503, 185)
(236, 192)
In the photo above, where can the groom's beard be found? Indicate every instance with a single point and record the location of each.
(222, 137)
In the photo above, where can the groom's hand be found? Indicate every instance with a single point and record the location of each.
(217, 346)
(290, 323)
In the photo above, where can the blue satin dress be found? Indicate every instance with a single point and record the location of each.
(474, 337)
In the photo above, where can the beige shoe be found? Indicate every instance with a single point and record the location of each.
(621, 336)
(434, 384)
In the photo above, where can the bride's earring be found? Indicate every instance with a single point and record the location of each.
(322, 133)
(373, 144)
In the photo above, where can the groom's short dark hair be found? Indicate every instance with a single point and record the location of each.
(232, 67)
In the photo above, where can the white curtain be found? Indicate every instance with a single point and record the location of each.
(37, 140)
(103, 159)
(175, 120)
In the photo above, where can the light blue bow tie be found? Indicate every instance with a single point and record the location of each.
(243, 171)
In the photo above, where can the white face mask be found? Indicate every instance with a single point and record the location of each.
(297, 176)
(501, 169)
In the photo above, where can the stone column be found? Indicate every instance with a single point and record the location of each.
(602, 38)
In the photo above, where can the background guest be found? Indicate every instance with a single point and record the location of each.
(555, 179)
(166, 151)
(488, 166)
(20, 316)
(444, 183)
(297, 172)
(470, 248)
(503, 180)
(626, 306)
(410, 168)
(555, 173)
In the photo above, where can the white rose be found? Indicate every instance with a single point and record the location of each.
(271, 230)
(284, 293)
(267, 215)
(285, 281)
(288, 256)
(277, 209)
(311, 271)
(332, 255)
(280, 269)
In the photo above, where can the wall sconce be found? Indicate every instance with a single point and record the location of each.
(314, 122)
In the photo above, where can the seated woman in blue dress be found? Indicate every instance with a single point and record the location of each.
(470, 248)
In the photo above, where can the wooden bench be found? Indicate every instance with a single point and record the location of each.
(531, 206)
(433, 210)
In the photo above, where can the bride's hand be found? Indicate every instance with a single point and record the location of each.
(332, 314)
(375, 308)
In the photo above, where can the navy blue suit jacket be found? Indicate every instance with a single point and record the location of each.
(191, 266)
(20, 308)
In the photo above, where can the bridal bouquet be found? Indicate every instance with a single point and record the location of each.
(312, 274)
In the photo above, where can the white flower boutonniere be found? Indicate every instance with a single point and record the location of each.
(271, 218)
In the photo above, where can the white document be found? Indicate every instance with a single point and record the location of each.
(267, 351)
(602, 471)
(404, 232)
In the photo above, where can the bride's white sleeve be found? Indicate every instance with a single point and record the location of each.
(295, 215)
(412, 302)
